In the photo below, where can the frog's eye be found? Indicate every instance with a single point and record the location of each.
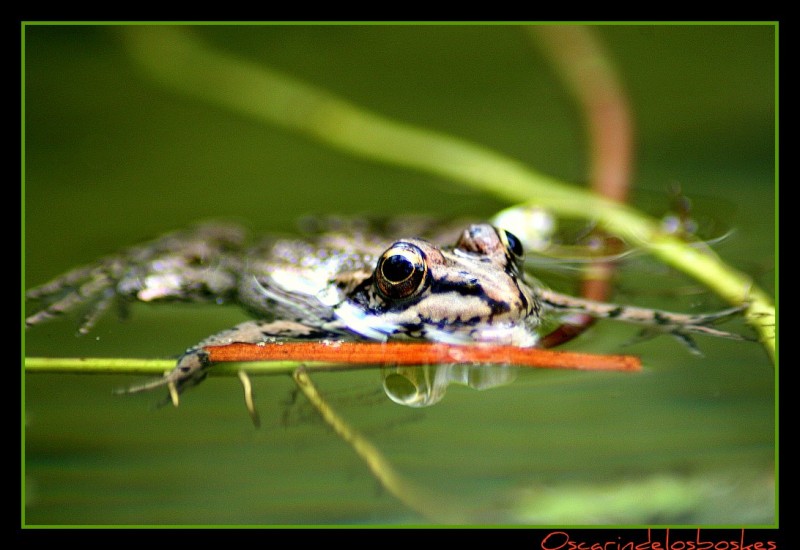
(512, 243)
(401, 271)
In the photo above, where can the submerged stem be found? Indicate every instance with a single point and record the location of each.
(434, 506)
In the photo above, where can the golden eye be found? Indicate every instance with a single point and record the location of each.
(401, 272)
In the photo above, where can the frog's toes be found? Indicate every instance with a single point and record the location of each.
(650, 332)
(190, 371)
(684, 332)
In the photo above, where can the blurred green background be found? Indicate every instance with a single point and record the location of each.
(112, 159)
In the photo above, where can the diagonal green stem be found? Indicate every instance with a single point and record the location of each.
(177, 59)
(436, 506)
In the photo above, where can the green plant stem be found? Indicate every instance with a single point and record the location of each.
(157, 367)
(177, 59)
(432, 505)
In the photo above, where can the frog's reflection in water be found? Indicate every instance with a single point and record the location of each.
(410, 386)
(426, 385)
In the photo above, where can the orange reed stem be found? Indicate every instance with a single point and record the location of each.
(400, 353)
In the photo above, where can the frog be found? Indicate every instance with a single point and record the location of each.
(344, 280)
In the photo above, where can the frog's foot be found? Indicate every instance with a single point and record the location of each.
(683, 326)
(192, 368)
(91, 286)
(199, 264)
(654, 321)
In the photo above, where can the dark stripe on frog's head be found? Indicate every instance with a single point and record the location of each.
(472, 287)
(467, 287)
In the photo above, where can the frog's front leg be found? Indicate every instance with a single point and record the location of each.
(193, 366)
(199, 264)
(654, 321)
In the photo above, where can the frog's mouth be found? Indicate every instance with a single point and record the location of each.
(384, 326)
(365, 324)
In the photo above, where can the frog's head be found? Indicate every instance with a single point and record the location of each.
(473, 291)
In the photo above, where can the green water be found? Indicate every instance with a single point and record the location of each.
(111, 159)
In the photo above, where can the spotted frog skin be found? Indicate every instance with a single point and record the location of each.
(346, 282)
